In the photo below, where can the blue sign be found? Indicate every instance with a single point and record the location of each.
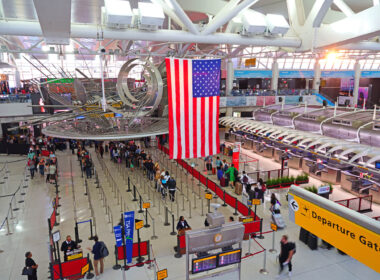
(129, 222)
(338, 74)
(370, 74)
(253, 73)
(296, 74)
(118, 236)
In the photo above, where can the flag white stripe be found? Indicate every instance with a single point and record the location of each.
(175, 136)
(190, 104)
(182, 108)
(199, 131)
(207, 124)
(214, 124)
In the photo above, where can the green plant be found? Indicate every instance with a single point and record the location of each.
(312, 189)
(302, 178)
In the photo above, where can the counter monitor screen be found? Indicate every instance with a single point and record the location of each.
(230, 257)
(204, 264)
(377, 164)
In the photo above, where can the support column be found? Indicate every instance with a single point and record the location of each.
(317, 77)
(17, 79)
(275, 74)
(356, 83)
(229, 84)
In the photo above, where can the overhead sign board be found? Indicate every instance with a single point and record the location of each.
(342, 230)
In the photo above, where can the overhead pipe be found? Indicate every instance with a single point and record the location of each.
(32, 28)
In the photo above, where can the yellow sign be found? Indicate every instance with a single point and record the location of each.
(139, 224)
(146, 205)
(162, 274)
(109, 115)
(256, 201)
(273, 227)
(74, 256)
(208, 196)
(248, 220)
(85, 268)
(349, 237)
(250, 62)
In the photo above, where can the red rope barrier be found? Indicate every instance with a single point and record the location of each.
(252, 254)
(254, 239)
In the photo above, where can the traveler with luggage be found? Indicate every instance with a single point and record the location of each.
(232, 174)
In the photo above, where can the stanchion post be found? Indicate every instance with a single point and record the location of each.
(76, 230)
(116, 266)
(129, 185)
(178, 249)
(173, 231)
(261, 236)
(236, 206)
(273, 250)
(264, 270)
(166, 223)
(224, 199)
(91, 232)
(134, 193)
(146, 219)
(8, 230)
(154, 236)
(140, 211)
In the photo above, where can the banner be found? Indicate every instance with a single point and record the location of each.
(236, 155)
(129, 221)
(118, 236)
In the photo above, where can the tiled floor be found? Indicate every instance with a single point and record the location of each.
(31, 231)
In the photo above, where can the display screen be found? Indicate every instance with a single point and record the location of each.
(229, 257)
(377, 164)
(204, 264)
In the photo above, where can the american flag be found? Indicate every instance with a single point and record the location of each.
(193, 91)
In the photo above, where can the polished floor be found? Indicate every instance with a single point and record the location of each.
(105, 204)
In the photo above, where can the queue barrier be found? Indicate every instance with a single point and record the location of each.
(359, 204)
(144, 250)
(72, 269)
(53, 217)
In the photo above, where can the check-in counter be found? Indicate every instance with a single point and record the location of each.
(306, 162)
(248, 143)
(346, 180)
(266, 151)
(330, 174)
(255, 146)
(295, 161)
(277, 154)
(375, 192)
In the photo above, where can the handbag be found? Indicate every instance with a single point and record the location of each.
(27, 271)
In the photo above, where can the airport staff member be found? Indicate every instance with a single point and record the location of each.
(68, 245)
(182, 224)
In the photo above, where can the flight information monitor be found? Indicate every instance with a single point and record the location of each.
(204, 264)
(229, 257)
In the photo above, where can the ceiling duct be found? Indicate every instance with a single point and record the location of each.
(117, 14)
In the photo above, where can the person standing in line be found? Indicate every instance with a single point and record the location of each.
(232, 175)
(98, 258)
(287, 251)
(32, 167)
(101, 150)
(41, 166)
(30, 263)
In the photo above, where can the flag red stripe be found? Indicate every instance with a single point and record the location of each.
(195, 130)
(178, 107)
(217, 127)
(186, 103)
(203, 125)
(171, 129)
(210, 125)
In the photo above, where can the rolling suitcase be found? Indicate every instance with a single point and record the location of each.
(278, 220)
(223, 182)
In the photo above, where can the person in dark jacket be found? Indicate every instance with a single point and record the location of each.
(97, 256)
(30, 263)
(182, 224)
(68, 245)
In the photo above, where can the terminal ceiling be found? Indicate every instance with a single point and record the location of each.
(197, 28)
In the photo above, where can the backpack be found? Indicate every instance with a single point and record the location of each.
(245, 179)
(236, 173)
(103, 250)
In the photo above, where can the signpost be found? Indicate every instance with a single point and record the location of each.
(274, 228)
(129, 219)
(162, 274)
(355, 234)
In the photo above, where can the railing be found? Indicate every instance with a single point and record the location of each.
(268, 92)
(16, 200)
(359, 204)
(269, 174)
(15, 98)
